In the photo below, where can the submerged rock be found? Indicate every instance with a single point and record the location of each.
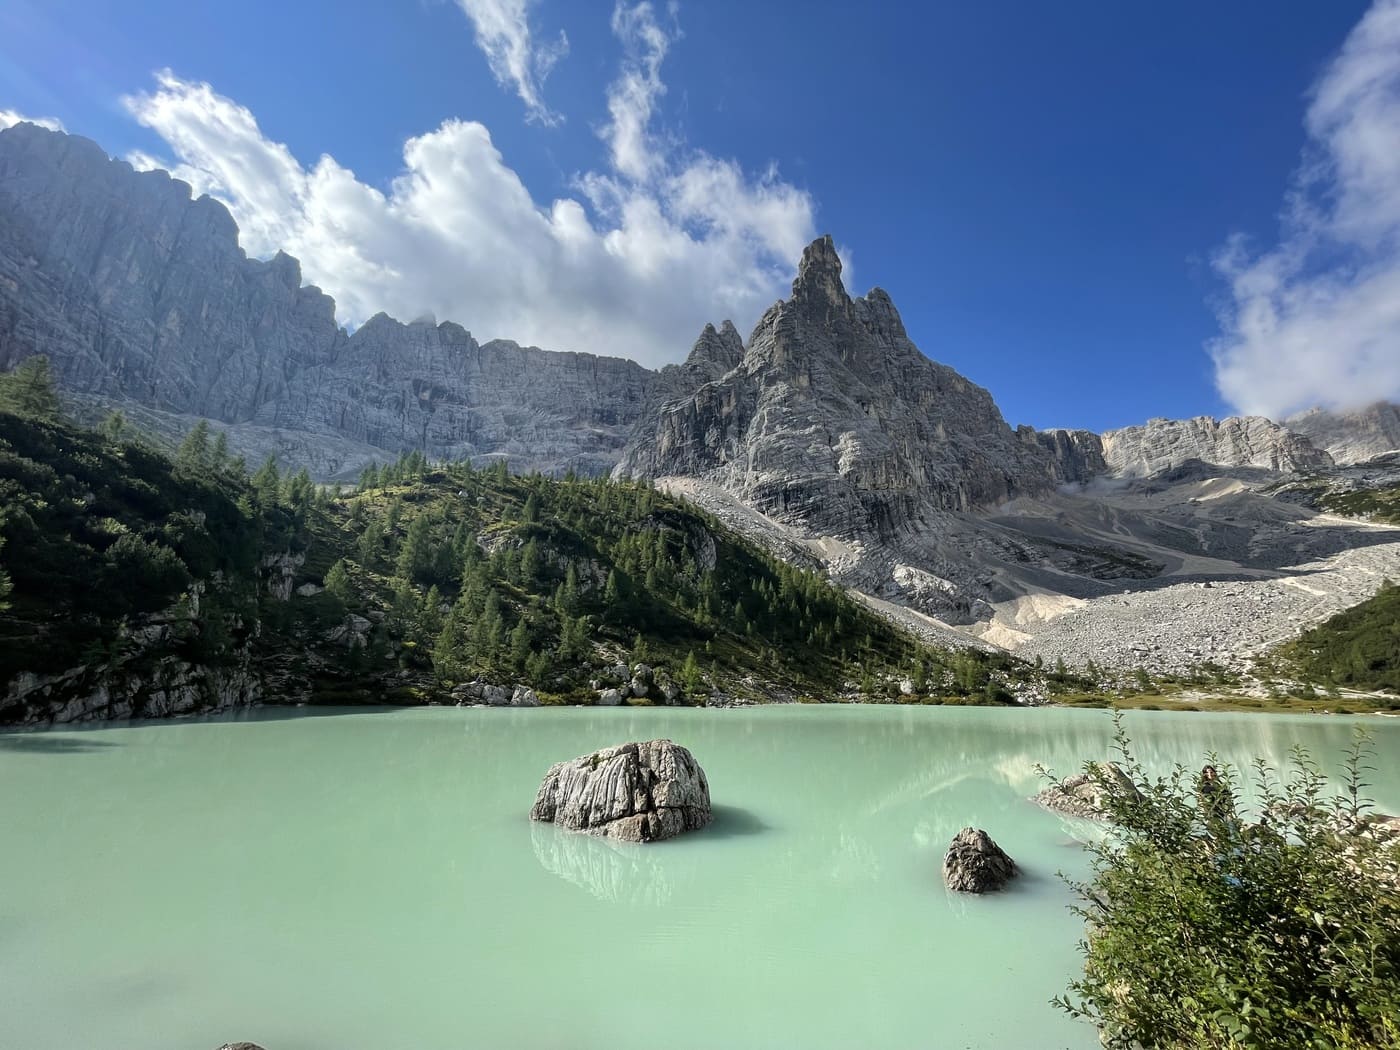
(976, 864)
(240, 1046)
(1086, 795)
(634, 792)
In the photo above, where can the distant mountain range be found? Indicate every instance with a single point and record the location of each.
(141, 296)
(826, 434)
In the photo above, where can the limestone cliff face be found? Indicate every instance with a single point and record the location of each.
(1076, 455)
(1351, 437)
(138, 293)
(1247, 441)
(832, 418)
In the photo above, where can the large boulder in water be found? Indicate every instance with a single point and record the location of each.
(635, 792)
(976, 864)
(1086, 794)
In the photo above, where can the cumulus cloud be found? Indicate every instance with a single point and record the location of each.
(1316, 319)
(503, 33)
(9, 118)
(652, 247)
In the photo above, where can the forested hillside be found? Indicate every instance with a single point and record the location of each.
(1358, 648)
(140, 583)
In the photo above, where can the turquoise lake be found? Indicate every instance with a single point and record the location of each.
(369, 879)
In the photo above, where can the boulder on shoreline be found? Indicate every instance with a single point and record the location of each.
(1085, 795)
(976, 864)
(634, 792)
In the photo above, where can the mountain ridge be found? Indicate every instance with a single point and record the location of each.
(140, 294)
(828, 435)
(138, 291)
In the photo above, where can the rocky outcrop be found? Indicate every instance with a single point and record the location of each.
(139, 294)
(1086, 795)
(162, 688)
(832, 418)
(1351, 437)
(976, 864)
(634, 792)
(1162, 445)
(1075, 455)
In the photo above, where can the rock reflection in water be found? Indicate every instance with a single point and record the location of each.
(622, 873)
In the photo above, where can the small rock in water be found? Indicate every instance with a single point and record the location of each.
(240, 1046)
(976, 864)
(634, 792)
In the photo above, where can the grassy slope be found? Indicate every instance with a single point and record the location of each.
(1382, 505)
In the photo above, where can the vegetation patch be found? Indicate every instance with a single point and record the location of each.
(1208, 927)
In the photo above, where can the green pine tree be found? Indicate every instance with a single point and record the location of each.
(114, 427)
(267, 482)
(28, 390)
(193, 457)
(338, 582)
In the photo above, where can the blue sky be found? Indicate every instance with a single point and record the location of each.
(1054, 194)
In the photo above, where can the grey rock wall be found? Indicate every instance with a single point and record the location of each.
(1161, 445)
(1351, 437)
(138, 293)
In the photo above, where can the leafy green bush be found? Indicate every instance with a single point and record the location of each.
(1206, 930)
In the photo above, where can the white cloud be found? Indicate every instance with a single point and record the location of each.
(9, 118)
(633, 96)
(1316, 319)
(676, 237)
(504, 36)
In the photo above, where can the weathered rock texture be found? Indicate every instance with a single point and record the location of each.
(976, 864)
(1351, 437)
(1242, 441)
(1086, 795)
(1076, 455)
(832, 418)
(139, 294)
(635, 792)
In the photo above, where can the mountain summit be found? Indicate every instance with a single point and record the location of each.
(834, 418)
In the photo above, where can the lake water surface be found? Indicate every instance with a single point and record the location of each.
(370, 881)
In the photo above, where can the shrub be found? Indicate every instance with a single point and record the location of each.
(1205, 930)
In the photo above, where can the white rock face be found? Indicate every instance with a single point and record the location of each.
(1351, 437)
(635, 792)
(139, 294)
(1162, 445)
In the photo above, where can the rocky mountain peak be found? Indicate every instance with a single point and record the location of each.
(716, 352)
(819, 274)
(836, 421)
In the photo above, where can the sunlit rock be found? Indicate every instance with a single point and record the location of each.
(634, 792)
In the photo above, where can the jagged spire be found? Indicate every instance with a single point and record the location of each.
(717, 351)
(819, 273)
